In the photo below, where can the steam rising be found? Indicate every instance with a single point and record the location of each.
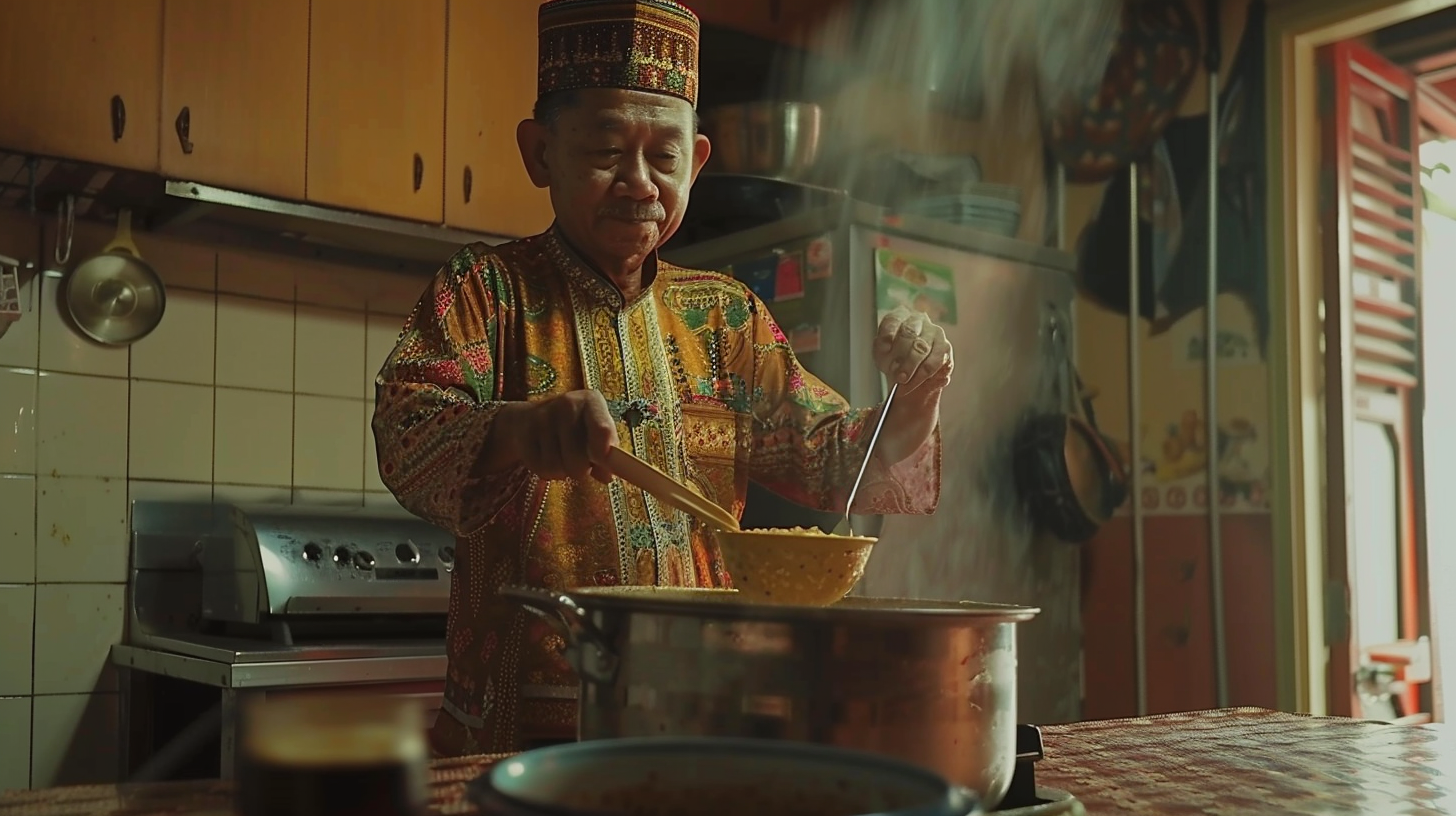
(946, 77)
(933, 98)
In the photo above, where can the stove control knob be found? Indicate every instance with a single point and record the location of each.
(363, 560)
(312, 552)
(447, 558)
(407, 553)
(341, 557)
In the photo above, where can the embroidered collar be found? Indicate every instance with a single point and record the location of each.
(582, 274)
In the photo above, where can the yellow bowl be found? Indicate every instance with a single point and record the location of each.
(797, 569)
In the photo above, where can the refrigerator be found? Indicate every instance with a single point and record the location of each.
(827, 275)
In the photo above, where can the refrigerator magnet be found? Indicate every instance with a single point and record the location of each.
(804, 339)
(758, 275)
(789, 283)
(820, 259)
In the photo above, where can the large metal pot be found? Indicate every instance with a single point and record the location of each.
(933, 683)
(772, 139)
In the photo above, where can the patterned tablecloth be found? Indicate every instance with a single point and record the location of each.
(1243, 761)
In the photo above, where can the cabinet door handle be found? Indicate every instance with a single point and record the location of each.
(118, 118)
(419, 172)
(469, 181)
(184, 129)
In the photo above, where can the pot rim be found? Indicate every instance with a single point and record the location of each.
(852, 609)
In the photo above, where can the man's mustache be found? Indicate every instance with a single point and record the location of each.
(653, 211)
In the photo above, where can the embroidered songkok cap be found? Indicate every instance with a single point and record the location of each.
(639, 45)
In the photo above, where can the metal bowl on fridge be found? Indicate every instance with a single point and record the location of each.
(778, 140)
(932, 683)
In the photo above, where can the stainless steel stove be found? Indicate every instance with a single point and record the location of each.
(269, 600)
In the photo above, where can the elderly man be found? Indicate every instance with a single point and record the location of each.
(523, 364)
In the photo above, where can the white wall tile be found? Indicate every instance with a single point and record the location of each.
(64, 348)
(171, 431)
(15, 746)
(371, 453)
(178, 263)
(383, 332)
(256, 274)
(17, 630)
(318, 497)
(81, 533)
(250, 494)
(385, 504)
(17, 420)
(328, 443)
(182, 265)
(398, 295)
(254, 343)
(321, 284)
(143, 490)
(181, 348)
(75, 739)
(17, 530)
(81, 425)
(328, 351)
(20, 346)
(253, 441)
(75, 627)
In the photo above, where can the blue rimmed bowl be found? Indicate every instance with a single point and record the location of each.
(706, 776)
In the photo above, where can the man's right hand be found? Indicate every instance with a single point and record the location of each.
(565, 437)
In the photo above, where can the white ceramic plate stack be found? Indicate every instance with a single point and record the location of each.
(994, 208)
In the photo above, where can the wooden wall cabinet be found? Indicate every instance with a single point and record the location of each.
(79, 79)
(235, 94)
(492, 87)
(376, 106)
(343, 103)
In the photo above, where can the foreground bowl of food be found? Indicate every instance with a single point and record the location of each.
(801, 566)
(932, 683)
(735, 777)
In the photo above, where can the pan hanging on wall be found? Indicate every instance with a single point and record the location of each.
(115, 297)
(1067, 472)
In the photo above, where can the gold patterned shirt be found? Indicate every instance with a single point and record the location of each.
(703, 385)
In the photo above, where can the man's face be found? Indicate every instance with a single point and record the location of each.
(619, 165)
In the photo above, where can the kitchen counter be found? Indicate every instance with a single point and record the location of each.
(286, 666)
(1245, 761)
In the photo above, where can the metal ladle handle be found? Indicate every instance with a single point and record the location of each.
(869, 451)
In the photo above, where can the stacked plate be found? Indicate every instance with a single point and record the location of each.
(994, 208)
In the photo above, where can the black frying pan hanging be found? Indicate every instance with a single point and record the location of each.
(1066, 471)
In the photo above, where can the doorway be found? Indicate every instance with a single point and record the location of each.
(1355, 123)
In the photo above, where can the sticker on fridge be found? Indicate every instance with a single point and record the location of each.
(804, 339)
(789, 277)
(758, 275)
(820, 258)
(919, 284)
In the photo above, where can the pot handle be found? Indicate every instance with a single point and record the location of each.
(964, 802)
(588, 649)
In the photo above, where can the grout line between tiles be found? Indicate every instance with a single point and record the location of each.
(34, 547)
(293, 414)
(216, 336)
(30, 752)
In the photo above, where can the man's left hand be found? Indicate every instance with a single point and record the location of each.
(913, 351)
